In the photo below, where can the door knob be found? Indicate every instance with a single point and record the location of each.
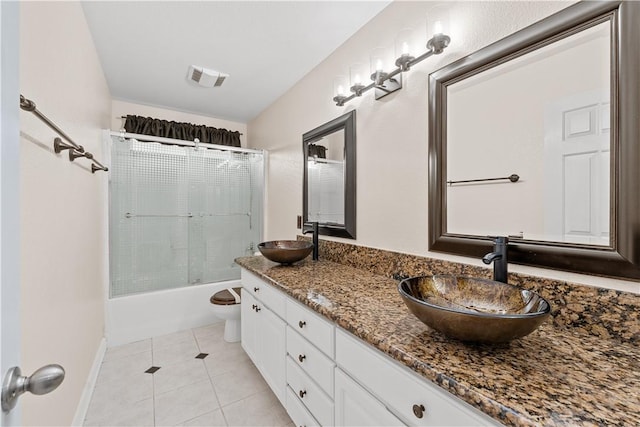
(42, 381)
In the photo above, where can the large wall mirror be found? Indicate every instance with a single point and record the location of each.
(535, 137)
(329, 191)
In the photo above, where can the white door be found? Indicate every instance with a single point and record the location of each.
(9, 202)
(577, 169)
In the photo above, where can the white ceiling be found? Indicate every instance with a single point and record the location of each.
(265, 47)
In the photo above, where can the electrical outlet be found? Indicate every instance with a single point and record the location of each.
(299, 222)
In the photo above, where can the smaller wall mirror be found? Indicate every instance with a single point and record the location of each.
(329, 190)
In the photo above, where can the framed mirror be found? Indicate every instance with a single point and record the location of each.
(329, 188)
(536, 137)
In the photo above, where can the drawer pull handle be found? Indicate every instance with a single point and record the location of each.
(258, 309)
(256, 289)
(302, 393)
(301, 324)
(254, 306)
(301, 357)
(418, 411)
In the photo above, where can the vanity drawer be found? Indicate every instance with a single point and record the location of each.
(266, 293)
(318, 366)
(300, 416)
(310, 394)
(402, 390)
(311, 326)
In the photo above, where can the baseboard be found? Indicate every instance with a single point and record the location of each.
(89, 386)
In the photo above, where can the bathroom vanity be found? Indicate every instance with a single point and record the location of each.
(325, 376)
(338, 347)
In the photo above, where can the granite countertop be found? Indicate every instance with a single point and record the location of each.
(553, 376)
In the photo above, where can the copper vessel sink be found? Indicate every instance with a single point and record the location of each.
(472, 309)
(285, 251)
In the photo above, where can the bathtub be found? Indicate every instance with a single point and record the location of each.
(137, 317)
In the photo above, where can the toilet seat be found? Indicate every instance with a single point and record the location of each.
(224, 297)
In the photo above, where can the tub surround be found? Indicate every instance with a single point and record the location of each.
(581, 368)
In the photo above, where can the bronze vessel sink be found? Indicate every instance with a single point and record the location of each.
(472, 309)
(285, 251)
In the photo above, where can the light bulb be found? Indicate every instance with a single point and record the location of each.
(379, 65)
(437, 28)
(341, 90)
(405, 48)
(356, 79)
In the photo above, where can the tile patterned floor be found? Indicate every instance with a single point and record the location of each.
(223, 388)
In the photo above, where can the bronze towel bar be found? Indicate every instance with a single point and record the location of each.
(512, 178)
(75, 150)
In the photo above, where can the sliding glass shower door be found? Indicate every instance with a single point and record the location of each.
(180, 216)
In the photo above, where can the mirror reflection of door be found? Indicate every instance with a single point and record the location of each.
(576, 160)
(326, 179)
(543, 116)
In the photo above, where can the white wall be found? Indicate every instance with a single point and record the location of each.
(122, 108)
(62, 205)
(391, 133)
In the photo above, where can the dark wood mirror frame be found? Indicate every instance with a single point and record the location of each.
(622, 257)
(346, 122)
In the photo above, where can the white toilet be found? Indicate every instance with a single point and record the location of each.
(226, 305)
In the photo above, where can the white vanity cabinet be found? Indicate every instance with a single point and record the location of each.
(413, 399)
(264, 331)
(325, 376)
(355, 406)
(310, 361)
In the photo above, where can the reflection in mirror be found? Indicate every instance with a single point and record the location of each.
(325, 166)
(544, 116)
(329, 177)
(556, 103)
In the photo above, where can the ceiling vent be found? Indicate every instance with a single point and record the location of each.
(206, 77)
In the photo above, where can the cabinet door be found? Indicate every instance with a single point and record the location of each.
(248, 326)
(354, 406)
(403, 391)
(272, 350)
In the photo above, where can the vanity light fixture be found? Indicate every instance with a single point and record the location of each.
(388, 82)
(357, 75)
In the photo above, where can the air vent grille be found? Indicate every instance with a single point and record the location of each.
(196, 75)
(206, 77)
(220, 80)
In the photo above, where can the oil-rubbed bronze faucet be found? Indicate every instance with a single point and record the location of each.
(312, 228)
(499, 259)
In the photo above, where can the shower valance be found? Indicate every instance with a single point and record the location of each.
(185, 131)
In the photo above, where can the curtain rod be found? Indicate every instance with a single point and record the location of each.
(173, 141)
(75, 150)
(124, 117)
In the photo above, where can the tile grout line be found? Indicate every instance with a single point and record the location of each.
(153, 385)
(224, 417)
(102, 383)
